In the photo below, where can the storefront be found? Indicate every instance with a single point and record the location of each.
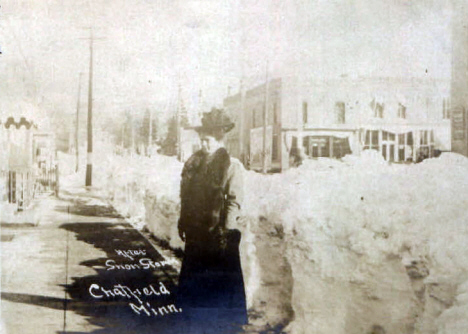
(326, 146)
(403, 144)
(318, 143)
(396, 143)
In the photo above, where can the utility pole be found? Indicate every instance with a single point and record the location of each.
(77, 125)
(150, 132)
(133, 133)
(89, 163)
(265, 119)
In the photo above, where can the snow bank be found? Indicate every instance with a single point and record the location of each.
(146, 190)
(331, 241)
(343, 222)
(454, 320)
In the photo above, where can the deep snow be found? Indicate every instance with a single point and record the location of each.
(336, 225)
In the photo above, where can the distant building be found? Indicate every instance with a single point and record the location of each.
(404, 119)
(27, 156)
(245, 141)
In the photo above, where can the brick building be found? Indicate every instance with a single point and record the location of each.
(404, 119)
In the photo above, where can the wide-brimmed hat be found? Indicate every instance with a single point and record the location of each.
(214, 121)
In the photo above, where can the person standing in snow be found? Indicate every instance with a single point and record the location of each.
(211, 287)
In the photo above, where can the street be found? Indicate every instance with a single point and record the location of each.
(83, 269)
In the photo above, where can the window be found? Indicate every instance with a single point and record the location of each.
(401, 147)
(401, 111)
(401, 139)
(340, 147)
(405, 146)
(379, 110)
(294, 145)
(318, 146)
(305, 145)
(371, 140)
(304, 112)
(423, 137)
(426, 147)
(340, 112)
(274, 152)
(426, 137)
(409, 138)
(253, 118)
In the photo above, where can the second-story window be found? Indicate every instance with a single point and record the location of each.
(378, 108)
(305, 118)
(401, 111)
(340, 112)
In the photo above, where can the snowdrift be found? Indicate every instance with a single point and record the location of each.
(341, 247)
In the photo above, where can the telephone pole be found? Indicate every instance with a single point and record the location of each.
(150, 132)
(265, 119)
(77, 125)
(132, 133)
(89, 163)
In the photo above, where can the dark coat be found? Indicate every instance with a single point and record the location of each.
(211, 274)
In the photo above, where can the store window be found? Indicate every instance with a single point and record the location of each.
(423, 137)
(341, 147)
(318, 146)
(305, 145)
(371, 140)
(409, 139)
(401, 147)
(426, 145)
(274, 152)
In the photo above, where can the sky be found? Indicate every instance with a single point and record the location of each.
(148, 53)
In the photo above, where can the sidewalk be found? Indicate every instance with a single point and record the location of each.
(80, 270)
